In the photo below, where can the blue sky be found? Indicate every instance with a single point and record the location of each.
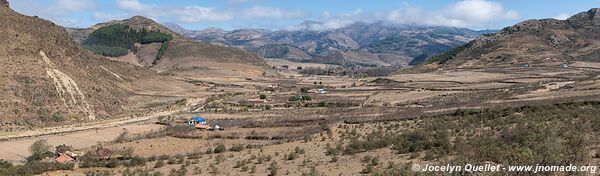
(287, 14)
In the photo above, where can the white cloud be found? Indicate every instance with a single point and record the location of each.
(271, 12)
(329, 21)
(194, 14)
(465, 13)
(562, 16)
(187, 14)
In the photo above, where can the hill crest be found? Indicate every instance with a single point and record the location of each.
(535, 41)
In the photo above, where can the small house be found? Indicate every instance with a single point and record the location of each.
(321, 91)
(202, 127)
(64, 158)
(197, 120)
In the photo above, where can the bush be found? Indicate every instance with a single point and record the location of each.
(220, 149)
(164, 157)
(112, 163)
(37, 167)
(263, 96)
(40, 147)
(136, 161)
(300, 98)
(40, 156)
(159, 164)
(273, 168)
(237, 148)
(122, 137)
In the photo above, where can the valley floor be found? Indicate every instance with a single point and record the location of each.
(337, 131)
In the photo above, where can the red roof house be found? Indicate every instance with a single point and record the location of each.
(64, 158)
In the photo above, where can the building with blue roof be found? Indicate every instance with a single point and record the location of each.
(197, 120)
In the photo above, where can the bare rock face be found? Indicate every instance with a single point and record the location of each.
(557, 39)
(589, 18)
(595, 13)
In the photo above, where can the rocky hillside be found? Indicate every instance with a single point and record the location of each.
(46, 78)
(542, 41)
(367, 44)
(182, 54)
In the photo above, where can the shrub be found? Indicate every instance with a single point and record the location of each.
(273, 168)
(40, 147)
(237, 148)
(136, 161)
(164, 157)
(300, 98)
(220, 149)
(40, 156)
(159, 164)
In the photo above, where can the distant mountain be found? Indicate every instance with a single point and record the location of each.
(182, 54)
(367, 44)
(533, 41)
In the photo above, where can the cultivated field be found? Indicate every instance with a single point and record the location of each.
(269, 126)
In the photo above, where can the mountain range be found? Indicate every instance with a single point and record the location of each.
(364, 44)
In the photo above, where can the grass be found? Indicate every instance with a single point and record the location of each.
(8, 133)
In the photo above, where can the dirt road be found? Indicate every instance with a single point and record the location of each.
(16, 150)
(14, 147)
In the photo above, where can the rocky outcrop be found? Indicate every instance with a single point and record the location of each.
(4, 3)
(591, 17)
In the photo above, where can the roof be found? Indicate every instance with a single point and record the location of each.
(198, 119)
(63, 158)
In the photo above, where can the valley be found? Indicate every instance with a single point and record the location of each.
(136, 97)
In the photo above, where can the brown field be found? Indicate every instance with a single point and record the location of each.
(273, 127)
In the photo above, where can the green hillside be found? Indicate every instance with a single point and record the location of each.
(115, 40)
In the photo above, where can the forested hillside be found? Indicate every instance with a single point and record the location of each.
(115, 40)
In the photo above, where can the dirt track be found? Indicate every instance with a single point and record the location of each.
(15, 146)
(16, 150)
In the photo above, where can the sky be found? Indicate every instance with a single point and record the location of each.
(289, 14)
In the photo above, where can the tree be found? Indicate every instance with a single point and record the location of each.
(263, 96)
(115, 40)
(40, 147)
